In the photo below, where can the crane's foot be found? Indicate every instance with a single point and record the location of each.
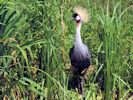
(76, 82)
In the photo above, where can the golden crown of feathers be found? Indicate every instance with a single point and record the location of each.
(82, 12)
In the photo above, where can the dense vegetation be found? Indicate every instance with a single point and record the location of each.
(35, 39)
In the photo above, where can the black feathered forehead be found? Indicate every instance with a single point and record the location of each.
(75, 15)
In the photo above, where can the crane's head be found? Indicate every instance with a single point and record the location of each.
(80, 15)
(76, 17)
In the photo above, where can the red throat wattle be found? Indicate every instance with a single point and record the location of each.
(77, 23)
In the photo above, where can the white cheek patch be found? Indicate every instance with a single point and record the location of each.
(78, 18)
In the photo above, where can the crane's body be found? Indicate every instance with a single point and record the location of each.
(79, 54)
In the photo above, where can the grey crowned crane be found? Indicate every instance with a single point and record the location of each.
(79, 54)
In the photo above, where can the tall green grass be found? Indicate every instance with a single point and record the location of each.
(35, 39)
(112, 23)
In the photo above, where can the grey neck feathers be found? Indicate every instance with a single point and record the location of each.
(80, 49)
(78, 39)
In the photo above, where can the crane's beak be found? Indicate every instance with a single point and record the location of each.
(72, 18)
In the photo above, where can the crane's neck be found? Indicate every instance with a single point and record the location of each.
(78, 39)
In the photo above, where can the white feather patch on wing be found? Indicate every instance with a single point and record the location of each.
(81, 52)
(82, 12)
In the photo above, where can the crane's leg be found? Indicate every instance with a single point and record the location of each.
(80, 82)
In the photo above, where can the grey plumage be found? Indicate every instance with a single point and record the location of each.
(81, 51)
(79, 54)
